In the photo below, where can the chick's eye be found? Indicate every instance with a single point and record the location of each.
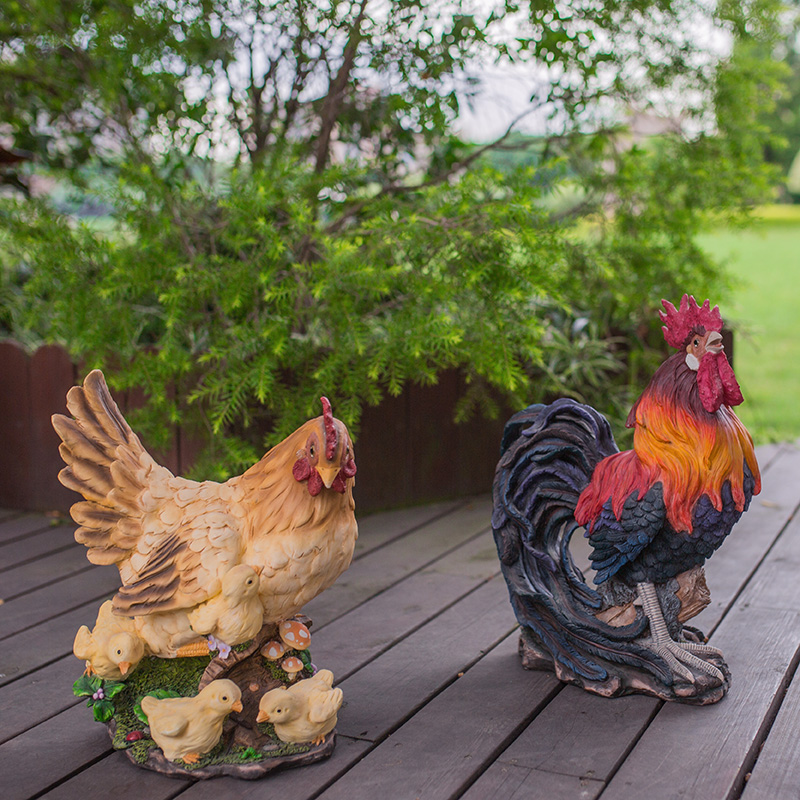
(224, 698)
(119, 652)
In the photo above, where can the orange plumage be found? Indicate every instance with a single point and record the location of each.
(690, 451)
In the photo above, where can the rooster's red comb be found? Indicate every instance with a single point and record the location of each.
(680, 322)
(330, 428)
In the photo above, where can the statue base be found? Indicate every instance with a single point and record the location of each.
(247, 749)
(623, 679)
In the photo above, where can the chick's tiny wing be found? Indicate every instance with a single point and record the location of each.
(323, 704)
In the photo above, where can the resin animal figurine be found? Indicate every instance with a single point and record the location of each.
(305, 712)
(652, 514)
(112, 648)
(235, 615)
(290, 517)
(189, 727)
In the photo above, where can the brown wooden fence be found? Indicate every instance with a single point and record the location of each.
(409, 450)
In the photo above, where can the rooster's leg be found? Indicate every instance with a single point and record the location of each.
(678, 655)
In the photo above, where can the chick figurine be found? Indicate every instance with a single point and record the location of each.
(189, 727)
(233, 616)
(305, 712)
(112, 648)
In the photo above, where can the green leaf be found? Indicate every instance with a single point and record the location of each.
(103, 710)
(158, 693)
(86, 685)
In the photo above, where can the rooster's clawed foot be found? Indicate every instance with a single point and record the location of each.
(678, 655)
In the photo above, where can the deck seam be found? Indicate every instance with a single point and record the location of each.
(406, 576)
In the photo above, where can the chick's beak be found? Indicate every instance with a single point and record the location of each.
(124, 666)
(328, 475)
(237, 706)
(713, 343)
(262, 717)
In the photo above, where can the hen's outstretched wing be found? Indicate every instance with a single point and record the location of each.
(171, 538)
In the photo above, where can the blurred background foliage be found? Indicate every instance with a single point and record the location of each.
(240, 205)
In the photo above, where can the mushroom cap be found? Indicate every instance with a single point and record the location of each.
(294, 634)
(273, 650)
(291, 665)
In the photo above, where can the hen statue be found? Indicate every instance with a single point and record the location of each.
(652, 515)
(214, 577)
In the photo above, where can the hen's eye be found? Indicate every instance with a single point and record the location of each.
(696, 342)
(312, 451)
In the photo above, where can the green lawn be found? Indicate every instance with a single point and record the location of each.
(765, 312)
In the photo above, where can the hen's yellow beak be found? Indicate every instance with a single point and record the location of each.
(328, 475)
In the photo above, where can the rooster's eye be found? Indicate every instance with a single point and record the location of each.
(312, 451)
(696, 342)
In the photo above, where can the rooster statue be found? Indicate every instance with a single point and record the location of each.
(652, 515)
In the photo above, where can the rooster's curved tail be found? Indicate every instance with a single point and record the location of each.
(548, 456)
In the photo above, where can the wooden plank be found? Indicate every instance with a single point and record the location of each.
(519, 783)
(705, 752)
(391, 687)
(42, 571)
(445, 746)
(376, 530)
(390, 616)
(564, 737)
(16, 528)
(766, 453)
(776, 775)
(43, 644)
(35, 546)
(379, 570)
(38, 696)
(775, 584)
(55, 598)
(8, 513)
(115, 776)
(44, 755)
(729, 569)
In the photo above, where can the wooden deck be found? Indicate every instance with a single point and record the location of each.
(421, 637)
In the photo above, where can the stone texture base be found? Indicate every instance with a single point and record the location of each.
(622, 679)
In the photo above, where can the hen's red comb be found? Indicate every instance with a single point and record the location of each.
(680, 322)
(330, 428)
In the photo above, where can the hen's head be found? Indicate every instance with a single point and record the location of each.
(697, 329)
(327, 457)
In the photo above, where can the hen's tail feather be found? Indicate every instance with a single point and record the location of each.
(105, 461)
(548, 456)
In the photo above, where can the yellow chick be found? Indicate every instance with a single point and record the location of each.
(235, 615)
(112, 648)
(305, 712)
(190, 727)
